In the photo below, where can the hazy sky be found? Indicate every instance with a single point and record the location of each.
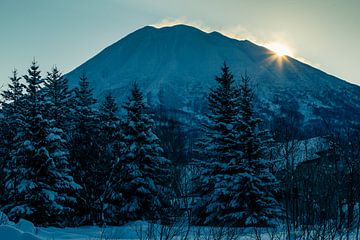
(324, 33)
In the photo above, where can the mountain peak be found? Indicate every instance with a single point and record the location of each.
(182, 61)
(179, 27)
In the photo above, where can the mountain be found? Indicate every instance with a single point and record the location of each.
(179, 63)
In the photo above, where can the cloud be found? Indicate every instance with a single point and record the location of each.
(238, 32)
(167, 22)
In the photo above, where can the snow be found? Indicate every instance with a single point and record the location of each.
(167, 60)
(25, 230)
(26, 226)
(8, 232)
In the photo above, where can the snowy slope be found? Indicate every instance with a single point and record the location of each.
(182, 61)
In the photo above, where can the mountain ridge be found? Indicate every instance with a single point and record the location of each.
(182, 62)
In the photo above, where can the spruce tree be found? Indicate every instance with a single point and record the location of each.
(254, 202)
(111, 153)
(85, 151)
(58, 99)
(57, 104)
(218, 149)
(145, 173)
(235, 184)
(35, 183)
(11, 117)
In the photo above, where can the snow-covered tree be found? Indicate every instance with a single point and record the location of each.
(37, 180)
(85, 151)
(58, 99)
(254, 202)
(111, 152)
(145, 173)
(9, 124)
(235, 185)
(218, 148)
(57, 105)
(110, 132)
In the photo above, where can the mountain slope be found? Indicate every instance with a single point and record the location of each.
(181, 62)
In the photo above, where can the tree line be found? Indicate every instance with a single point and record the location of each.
(66, 160)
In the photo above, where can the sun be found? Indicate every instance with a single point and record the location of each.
(280, 49)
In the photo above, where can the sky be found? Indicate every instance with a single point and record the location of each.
(66, 33)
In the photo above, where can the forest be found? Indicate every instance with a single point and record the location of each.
(68, 159)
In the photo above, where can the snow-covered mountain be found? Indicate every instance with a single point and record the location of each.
(181, 62)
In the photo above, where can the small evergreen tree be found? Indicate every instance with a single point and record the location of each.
(145, 173)
(58, 99)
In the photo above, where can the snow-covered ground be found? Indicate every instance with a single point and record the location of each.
(24, 230)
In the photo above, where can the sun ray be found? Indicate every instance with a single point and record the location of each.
(280, 49)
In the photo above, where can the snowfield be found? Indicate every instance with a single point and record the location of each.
(141, 230)
(25, 230)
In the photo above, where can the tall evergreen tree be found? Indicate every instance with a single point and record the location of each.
(57, 106)
(219, 147)
(111, 152)
(85, 151)
(256, 201)
(35, 182)
(9, 124)
(235, 185)
(145, 172)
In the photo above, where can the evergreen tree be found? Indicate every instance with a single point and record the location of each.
(9, 124)
(145, 173)
(218, 148)
(235, 184)
(85, 151)
(58, 99)
(110, 134)
(36, 185)
(255, 203)
(14, 91)
(111, 151)
(57, 106)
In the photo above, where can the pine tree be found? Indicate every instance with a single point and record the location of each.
(35, 182)
(219, 148)
(256, 201)
(145, 172)
(57, 104)
(85, 151)
(236, 185)
(110, 135)
(58, 99)
(111, 153)
(9, 124)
